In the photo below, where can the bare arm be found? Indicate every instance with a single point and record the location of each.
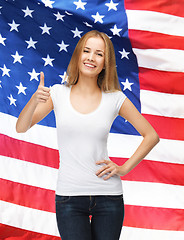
(36, 109)
(150, 139)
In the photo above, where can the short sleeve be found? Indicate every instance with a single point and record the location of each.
(53, 90)
(56, 93)
(120, 98)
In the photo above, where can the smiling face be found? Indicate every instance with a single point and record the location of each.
(92, 57)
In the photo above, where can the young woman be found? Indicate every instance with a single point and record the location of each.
(88, 181)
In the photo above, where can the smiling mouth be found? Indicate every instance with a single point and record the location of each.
(89, 65)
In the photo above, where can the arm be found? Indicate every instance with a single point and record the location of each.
(150, 139)
(36, 109)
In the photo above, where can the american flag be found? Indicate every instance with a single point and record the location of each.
(148, 39)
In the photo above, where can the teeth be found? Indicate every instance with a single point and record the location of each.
(89, 65)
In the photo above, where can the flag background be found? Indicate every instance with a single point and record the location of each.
(153, 30)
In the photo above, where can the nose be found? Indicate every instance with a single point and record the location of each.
(91, 56)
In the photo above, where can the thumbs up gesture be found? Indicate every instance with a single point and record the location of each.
(41, 79)
(43, 93)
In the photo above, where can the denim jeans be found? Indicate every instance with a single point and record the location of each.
(107, 213)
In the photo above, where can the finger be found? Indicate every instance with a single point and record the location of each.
(41, 79)
(102, 161)
(106, 171)
(110, 175)
(43, 90)
(44, 96)
(101, 170)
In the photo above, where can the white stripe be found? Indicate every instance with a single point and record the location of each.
(28, 173)
(129, 233)
(119, 145)
(162, 104)
(155, 22)
(153, 194)
(157, 194)
(28, 218)
(45, 222)
(160, 59)
(38, 134)
(124, 146)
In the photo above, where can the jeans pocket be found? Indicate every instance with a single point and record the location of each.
(62, 199)
(114, 197)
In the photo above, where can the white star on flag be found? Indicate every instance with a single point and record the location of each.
(127, 85)
(98, 17)
(63, 77)
(21, 89)
(63, 46)
(14, 26)
(45, 29)
(48, 60)
(12, 100)
(34, 75)
(116, 30)
(2, 40)
(28, 12)
(124, 54)
(112, 5)
(5, 71)
(80, 4)
(17, 57)
(31, 43)
(59, 16)
(48, 3)
(77, 33)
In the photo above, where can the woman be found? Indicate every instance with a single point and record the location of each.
(88, 181)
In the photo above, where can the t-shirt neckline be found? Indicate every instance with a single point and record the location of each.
(84, 114)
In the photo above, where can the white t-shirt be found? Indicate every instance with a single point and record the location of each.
(82, 141)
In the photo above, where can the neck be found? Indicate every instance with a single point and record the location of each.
(87, 85)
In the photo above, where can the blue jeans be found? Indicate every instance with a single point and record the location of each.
(72, 213)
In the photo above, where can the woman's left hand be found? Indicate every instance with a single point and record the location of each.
(109, 168)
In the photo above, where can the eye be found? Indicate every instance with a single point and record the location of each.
(100, 54)
(86, 51)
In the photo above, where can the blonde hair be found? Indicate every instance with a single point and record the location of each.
(107, 78)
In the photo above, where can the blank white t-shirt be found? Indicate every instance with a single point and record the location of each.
(82, 141)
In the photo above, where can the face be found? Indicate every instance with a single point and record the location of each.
(92, 58)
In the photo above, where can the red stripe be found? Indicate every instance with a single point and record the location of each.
(30, 152)
(27, 196)
(161, 81)
(150, 40)
(164, 168)
(167, 127)
(158, 172)
(164, 6)
(13, 233)
(154, 218)
(165, 165)
(43, 199)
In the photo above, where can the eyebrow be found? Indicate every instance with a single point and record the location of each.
(96, 50)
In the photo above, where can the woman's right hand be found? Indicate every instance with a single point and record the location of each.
(43, 93)
(38, 107)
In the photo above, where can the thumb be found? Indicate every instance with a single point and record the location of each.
(41, 79)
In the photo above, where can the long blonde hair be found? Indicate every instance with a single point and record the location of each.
(107, 78)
